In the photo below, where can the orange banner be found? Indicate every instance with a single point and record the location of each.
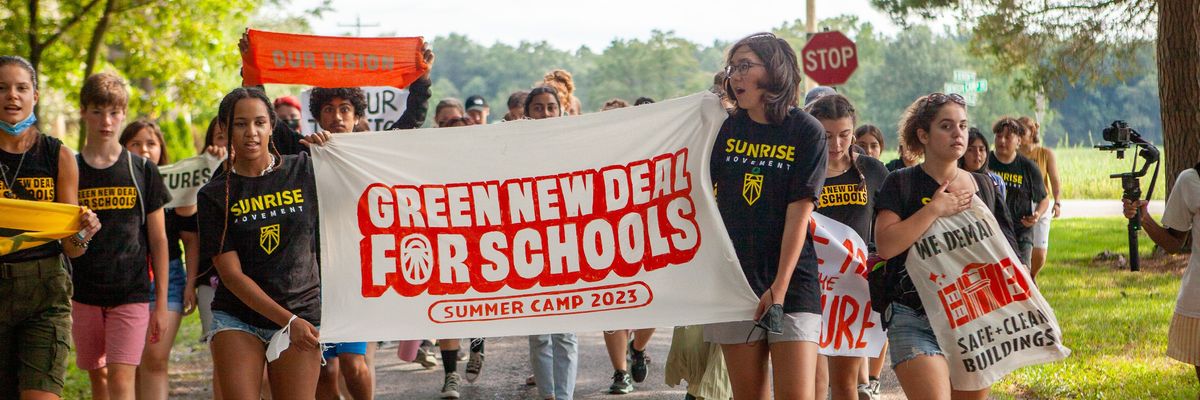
(331, 61)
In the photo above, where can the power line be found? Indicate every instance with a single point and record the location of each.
(358, 25)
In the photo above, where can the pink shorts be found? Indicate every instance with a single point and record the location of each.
(109, 334)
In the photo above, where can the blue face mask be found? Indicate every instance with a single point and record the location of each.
(20, 127)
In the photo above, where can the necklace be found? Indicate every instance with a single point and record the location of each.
(8, 185)
(268, 168)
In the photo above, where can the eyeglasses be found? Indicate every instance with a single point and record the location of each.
(740, 68)
(939, 98)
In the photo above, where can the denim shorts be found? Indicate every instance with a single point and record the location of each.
(223, 321)
(176, 280)
(909, 335)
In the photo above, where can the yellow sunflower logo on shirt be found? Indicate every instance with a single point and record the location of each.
(268, 238)
(752, 184)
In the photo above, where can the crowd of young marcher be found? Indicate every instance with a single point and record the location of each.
(119, 288)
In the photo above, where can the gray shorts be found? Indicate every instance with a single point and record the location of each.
(797, 327)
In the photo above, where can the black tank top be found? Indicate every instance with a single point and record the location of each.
(34, 178)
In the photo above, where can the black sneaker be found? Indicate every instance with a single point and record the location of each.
(621, 383)
(474, 366)
(640, 364)
(450, 386)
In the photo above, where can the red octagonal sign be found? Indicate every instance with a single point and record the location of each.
(829, 58)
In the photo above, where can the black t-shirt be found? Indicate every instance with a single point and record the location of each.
(271, 223)
(33, 178)
(845, 199)
(906, 201)
(115, 268)
(175, 224)
(757, 170)
(1023, 186)
(286, 140)
(894, 165)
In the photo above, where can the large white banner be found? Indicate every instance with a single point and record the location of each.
(988, 316)
(185, 177)
(385, 105)
(849, 328)
(595, 222)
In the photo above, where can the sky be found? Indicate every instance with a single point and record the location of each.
(568, 24)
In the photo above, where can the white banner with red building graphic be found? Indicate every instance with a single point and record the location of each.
(595, 222)
(988, 316)
(849, 328)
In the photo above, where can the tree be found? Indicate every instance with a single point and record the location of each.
(1053, 44)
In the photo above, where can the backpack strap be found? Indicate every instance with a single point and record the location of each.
(987, 188)
(141, 205)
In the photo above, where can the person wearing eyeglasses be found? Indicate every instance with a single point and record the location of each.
(909, 202)
(1026, 194)
(768, 167)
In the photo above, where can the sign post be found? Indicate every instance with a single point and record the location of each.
(829, 58)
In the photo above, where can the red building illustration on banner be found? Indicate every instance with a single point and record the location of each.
(981, 289)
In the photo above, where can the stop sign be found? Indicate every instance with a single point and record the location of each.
(829, 58)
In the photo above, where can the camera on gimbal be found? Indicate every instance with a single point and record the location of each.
(1121, 137)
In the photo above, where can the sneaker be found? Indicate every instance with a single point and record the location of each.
(462, 356)
(622, 384)
(640, 364)
(426, 359)
(868, 391)
(450, 387)
(474, 366)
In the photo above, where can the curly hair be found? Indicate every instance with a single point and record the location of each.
(563, 83)
(1033, 127)
(919, 116)
(322, 96)
(782, 81)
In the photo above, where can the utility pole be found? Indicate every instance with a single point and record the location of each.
(810, 26)
(358, 25)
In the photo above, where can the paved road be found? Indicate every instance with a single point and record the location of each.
(507, 366)
(1101, 208)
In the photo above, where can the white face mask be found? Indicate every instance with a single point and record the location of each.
(280, 341)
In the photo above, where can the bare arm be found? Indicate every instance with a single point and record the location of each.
(191, 255)
(1055, 188)
(157, 237)
(893, 235)
(1172, 241)
(795, 230)
(66, 191)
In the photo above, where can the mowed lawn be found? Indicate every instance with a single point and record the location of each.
(1114, 321)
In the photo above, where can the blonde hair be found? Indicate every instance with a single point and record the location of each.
(1033, 127)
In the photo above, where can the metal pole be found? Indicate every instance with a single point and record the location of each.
(810, 26)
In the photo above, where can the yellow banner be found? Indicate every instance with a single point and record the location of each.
(35, 223)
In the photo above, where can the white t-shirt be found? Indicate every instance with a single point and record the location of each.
(1183, 214)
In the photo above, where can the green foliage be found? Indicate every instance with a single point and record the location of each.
(178, 134)
(1114, 321)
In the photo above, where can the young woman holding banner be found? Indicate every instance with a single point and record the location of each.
(766, 202)
(846, 172)
(269, 290)
(934, 126)
(35, 289)
(553, 357)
